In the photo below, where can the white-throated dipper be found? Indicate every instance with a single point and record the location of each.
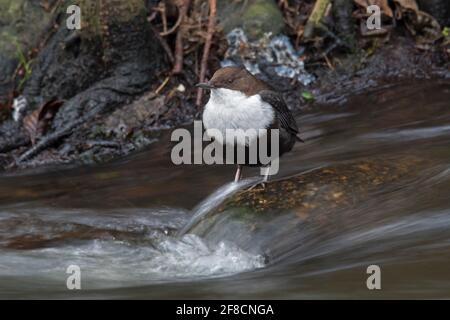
(239, 100)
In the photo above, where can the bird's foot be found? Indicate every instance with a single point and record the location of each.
(260, 186)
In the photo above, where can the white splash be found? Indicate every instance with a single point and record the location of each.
(216, 198)
(106, 264)
(143, 255)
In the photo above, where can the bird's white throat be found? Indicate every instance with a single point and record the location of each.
(232, 109)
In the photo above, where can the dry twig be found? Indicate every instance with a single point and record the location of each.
(209, 37)
(164, 44)
(161, 87)
(179, 43)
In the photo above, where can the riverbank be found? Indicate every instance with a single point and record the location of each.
(120, 105)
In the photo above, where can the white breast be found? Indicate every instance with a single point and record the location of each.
(230, 109)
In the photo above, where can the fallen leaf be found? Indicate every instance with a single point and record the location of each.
(36, 123)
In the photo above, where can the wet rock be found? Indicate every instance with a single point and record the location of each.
(115, 40)
(12, 136)
(316, 194)
(396, 61)
(37, 233)
(143, 112)
(324, 189)
(255, 17)
(127, 129)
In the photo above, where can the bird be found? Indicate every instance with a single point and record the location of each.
(239, 100)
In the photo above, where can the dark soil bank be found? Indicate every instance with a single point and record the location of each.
(99, 93)
(112, 60)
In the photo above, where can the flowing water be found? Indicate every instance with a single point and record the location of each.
(130, 224)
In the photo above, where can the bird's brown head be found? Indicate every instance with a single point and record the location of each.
(234, 78)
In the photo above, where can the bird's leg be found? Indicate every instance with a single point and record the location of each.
(265, 180)
(238, 175)
(266, 176)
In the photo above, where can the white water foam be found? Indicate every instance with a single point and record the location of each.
(150, 256)
(216, 198)
(109, 263)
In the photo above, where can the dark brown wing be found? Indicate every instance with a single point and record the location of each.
(283, 114)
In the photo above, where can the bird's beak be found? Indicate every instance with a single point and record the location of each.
(205, 85)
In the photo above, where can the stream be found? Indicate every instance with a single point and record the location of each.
(121, 222)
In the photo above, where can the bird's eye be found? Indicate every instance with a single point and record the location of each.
(230, 80)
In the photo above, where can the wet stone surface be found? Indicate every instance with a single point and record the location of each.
(324, 189)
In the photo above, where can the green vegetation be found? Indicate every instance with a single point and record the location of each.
(24, 64)
(308, 96)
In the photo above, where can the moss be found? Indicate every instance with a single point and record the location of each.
(255, 17)
(324, 189)
(98, 15)
(22, 21)
(260, 17)
(9, 9)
